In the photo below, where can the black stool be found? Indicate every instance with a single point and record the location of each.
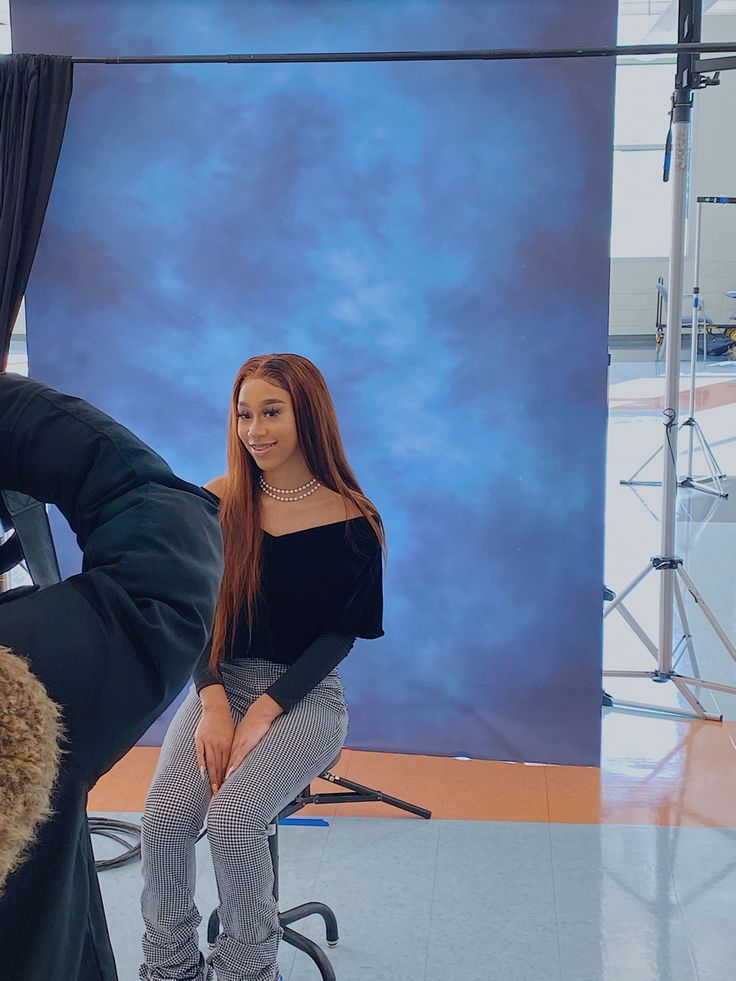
(354, 793)
(298, 912)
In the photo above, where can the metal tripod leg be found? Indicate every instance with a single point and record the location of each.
(633, 482)
(709, 615)
(639, 631)
(716, 475)
(686, 628)
(620, 597)
(692, 700)
(708, 451)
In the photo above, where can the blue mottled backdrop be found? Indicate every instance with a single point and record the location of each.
(435, 237)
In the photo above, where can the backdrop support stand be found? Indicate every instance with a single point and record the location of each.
(666, 563)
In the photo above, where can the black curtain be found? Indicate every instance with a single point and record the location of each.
(34, 91)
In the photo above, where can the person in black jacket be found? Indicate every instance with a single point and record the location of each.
(112, 646)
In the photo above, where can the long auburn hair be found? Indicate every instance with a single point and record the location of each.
(240, 509)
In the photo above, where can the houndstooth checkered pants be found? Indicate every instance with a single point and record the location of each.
(298, 747)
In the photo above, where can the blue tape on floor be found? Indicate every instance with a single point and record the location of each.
(306, 822)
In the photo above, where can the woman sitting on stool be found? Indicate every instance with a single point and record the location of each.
(303, 579)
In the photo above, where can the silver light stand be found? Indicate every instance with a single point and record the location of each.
(670, 567)
(716, 476)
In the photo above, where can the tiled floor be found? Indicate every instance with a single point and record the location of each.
(539, 873)
(481, 900)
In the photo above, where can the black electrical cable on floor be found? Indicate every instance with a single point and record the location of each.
(117, 831)
(125, 833)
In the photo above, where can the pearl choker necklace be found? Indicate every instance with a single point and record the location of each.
(284, 494)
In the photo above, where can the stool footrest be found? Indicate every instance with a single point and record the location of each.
(312, 909)
(356, 793)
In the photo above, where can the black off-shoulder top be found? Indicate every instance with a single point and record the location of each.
(321, 588)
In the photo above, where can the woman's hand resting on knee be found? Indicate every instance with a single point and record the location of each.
(251, 729)
(213, 737)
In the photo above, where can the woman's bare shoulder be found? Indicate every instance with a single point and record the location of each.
(337, 508)
(353, 510)
(216, 485)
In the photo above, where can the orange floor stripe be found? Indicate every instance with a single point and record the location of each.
(706, 397)
(654, 771)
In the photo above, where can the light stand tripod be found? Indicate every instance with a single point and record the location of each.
(694, 430)
(716, 476)
(671, 569)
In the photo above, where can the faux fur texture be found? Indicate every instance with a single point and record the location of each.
(30, 736)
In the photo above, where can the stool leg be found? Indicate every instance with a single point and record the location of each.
(213, 928)
(273, 847)
(308, 947)
(312, 950)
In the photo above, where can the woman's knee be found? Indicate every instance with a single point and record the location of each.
(234, 820)
(172, 811)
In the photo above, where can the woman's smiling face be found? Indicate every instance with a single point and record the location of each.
(266, 423)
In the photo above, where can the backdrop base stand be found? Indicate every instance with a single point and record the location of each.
(676, 679)
(683, 683)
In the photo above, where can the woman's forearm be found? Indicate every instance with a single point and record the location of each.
(213, 697)
(266, 707)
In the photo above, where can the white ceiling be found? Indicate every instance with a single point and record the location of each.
(655, 8)
(655, 21)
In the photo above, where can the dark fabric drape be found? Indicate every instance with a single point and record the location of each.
(34, 99)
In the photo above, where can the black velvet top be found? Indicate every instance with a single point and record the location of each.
(321, 588)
